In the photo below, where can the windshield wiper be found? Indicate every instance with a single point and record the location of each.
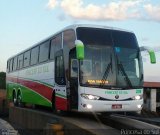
(106, 73)
(120, 66)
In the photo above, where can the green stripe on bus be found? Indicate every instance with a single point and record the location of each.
(29, 96)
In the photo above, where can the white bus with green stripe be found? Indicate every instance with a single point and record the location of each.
(84, 68)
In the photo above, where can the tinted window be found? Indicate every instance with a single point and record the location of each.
(8, 66)
(26, 58)
(94, 36)
(68, 44)
(20, 61)
(53, 43)
(34, 55)
(74, 68)
(124, 39)
(15, 63)
(73, 63)
(59, 70)
(44, 52)
(11, 65)
(56, 44)
(68, 38)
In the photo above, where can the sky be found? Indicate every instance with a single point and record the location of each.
(26, 22)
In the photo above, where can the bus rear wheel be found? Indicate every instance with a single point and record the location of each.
(14, 99)
(19, 100)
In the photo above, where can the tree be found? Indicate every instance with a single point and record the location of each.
(2, 80)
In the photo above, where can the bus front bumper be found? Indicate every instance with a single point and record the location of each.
(110, 106)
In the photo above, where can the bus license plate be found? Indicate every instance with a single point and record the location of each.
(116, 106)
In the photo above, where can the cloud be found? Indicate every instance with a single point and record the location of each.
(52, 4)
(153, 12)
(112, 11)
(120, 10)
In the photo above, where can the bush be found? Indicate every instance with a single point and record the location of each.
(2, 80)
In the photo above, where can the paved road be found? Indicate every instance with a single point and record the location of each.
(95, 127)
(6, 128)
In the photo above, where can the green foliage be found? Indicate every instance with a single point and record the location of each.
(2, 80)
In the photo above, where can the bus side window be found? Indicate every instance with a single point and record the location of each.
(11, 65)
(20, 61)
(27, 58)
(44, 51)
(56, 45)
(74, 68)
(15, 64)
(8, 66)
(59, 70)
(34, 55)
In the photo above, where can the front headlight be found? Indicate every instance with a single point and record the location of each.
(138, 97)
(90, 97)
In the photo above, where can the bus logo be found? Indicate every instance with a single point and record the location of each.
(117, 96)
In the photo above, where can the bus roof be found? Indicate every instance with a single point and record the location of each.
(94, 26)
(74, 27)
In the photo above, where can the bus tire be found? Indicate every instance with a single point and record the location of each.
(14, 98)
(19, 99)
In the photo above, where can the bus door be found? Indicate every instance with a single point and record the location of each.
(73, 66)
(60, 82)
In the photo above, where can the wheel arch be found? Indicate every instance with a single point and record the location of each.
(53, 96)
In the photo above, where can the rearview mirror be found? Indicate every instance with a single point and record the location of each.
(151, 53)
(152, 56)
(79, 49)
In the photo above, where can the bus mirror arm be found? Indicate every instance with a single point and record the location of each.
(151, 53)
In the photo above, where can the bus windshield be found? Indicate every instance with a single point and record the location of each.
(128, 68)
(112, 59)
(96, 69)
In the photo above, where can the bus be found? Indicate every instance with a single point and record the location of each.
(85, 68)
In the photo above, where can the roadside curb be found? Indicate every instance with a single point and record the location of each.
(7, 128)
